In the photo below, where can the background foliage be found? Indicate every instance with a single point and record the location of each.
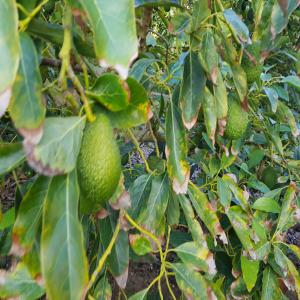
(212, 210)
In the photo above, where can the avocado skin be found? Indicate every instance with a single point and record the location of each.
(98, 165)
(237, 120)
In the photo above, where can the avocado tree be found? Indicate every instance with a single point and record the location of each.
(161, 131)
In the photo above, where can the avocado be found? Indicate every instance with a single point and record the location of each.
(98, 165)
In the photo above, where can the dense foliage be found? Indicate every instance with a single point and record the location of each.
(161, 132)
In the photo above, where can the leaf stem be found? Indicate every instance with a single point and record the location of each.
(154, 139)
(103, 258)
(24, 23)
(136, 143)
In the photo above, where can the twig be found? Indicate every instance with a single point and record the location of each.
(56, 63)
(103, 259)
(136, 143)
(154, 139)
(24, 23)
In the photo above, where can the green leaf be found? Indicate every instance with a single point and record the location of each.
(29, 215)
(193, 224)
(63, 260)
(173, 210)
(8, 219)
(176, 150)
(103, 290)
(192, 88)
(11, 155)
(155, 3)
(19, 284)
(141, 295)
(139, 192)
(273, 98)
(255, 157)
(152, 215)
(250, 270)
(140, 244)
(57, 151)
(237, 25)
(285, 115)
(190, 282)
(280, 15)
(220, 94)
(180, 22)
(206, 213)
(140, 67)
(137, 112)
(240, 223)
(115, 40)
(9, 49)
(286, 219)
(118, 260)
(194, 255)
(292, 80)
(208, 55)
(238, 193)
(240, 81)
(200, 12)
(224, 193)
(26, 108)
(270, 286)
(210, 114)
(111, 92)
(267, 205)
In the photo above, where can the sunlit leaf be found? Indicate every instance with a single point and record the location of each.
(29, 215)
(11, 155)
(210, 114)
(250, 270)
(27, 109)
(240, 195)
(267, 205)
(190, 282)
(139, 192)
(176, 150)
(192, 88)
(63, 260)
(57, 151)
(10, 50)
(190, 253)
(111, 92)
(113, 24)
(288, 207)
(137, 112)
(151, 215)
(270, 287)
(140, 244)
(206, 213)
(237, 25)
(193, 224)
(19, 284)
(240, 223)
(7, 219)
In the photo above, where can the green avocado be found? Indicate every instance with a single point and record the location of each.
(252, 69)
(237, 120)
(98, 165)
